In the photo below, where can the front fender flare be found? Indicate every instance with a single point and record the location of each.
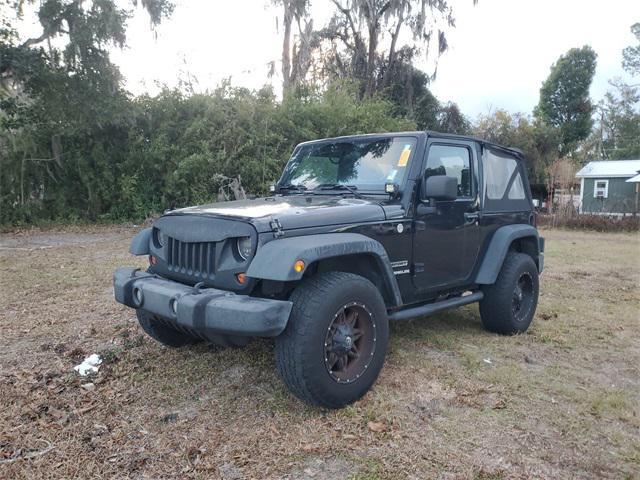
(498, 248)
(274, 261)
(140, 243)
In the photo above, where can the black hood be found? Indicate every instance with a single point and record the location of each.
(293, 211)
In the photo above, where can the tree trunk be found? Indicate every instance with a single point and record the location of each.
(22, 167)
(392, 53)
(371, 58)
(286, 49)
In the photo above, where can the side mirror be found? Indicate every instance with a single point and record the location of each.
(439, 187)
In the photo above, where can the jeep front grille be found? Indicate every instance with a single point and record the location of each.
(191, 258)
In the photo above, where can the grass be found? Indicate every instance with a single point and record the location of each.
(561, 401)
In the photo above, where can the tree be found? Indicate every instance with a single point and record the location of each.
(365, 35)
(564, 97)
(296, 57)
(631, 54)
(427, 112)
(61, 99)
(406, 86)
(452, 120)
(616, 134)
(537, 141)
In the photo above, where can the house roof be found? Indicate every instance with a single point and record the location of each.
(610, 168)
(635, 179)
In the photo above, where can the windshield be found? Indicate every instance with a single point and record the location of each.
(367, 164)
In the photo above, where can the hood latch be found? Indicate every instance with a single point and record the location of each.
(276, 227)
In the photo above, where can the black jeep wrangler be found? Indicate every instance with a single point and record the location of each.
(359, 230)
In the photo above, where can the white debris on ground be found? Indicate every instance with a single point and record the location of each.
(91, 364)
(487, 360)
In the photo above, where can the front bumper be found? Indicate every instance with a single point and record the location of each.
(208, 312)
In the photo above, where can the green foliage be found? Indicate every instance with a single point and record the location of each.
(616, 134)
(564, 97)
(427, 112)
(172, 150)
(511, 130)
(430, 114)
(75, 146)
(537, 141)
(62, 112)
(631, 54)
(452, 120)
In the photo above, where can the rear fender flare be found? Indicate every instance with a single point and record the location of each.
(498, 248)
(275, 260)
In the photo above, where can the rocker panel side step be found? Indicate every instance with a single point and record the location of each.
(431, 308)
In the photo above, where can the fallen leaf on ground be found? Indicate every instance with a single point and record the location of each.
(377, 427)
(500, 404)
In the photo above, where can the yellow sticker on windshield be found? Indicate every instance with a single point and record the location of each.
(404, 156)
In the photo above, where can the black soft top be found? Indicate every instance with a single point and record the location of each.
(421, 134)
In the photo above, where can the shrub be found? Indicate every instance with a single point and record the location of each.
(171, 150)
(598, 223)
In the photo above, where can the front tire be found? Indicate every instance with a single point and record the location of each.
(510, 303)
(335, 342)
(162, 333)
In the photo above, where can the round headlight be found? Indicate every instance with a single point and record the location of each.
(244, 247)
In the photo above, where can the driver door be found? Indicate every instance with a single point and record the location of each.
(446, 239)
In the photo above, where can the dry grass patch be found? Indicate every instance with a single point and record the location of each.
(453, 401)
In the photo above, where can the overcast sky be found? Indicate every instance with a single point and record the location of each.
(500, 51)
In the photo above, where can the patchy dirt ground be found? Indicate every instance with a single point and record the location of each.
(453, 401)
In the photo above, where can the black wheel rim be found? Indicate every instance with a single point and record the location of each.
(350, 343)
(522, 299)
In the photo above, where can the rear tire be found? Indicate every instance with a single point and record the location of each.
(510, 303)
(162, 333)
(335, 342)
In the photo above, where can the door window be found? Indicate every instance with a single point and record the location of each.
(498, 171)
(504, 186)
(453, 161)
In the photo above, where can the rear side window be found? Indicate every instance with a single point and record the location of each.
(452, 161)
(504, 187)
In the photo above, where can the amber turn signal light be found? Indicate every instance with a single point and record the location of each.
(298, 266)
(242, 278)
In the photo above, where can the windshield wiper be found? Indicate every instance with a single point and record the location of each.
(340, 186)
(291, 188)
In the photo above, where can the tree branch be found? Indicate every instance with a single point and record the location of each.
(392, 51)
(33, 41)
(347, 14)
